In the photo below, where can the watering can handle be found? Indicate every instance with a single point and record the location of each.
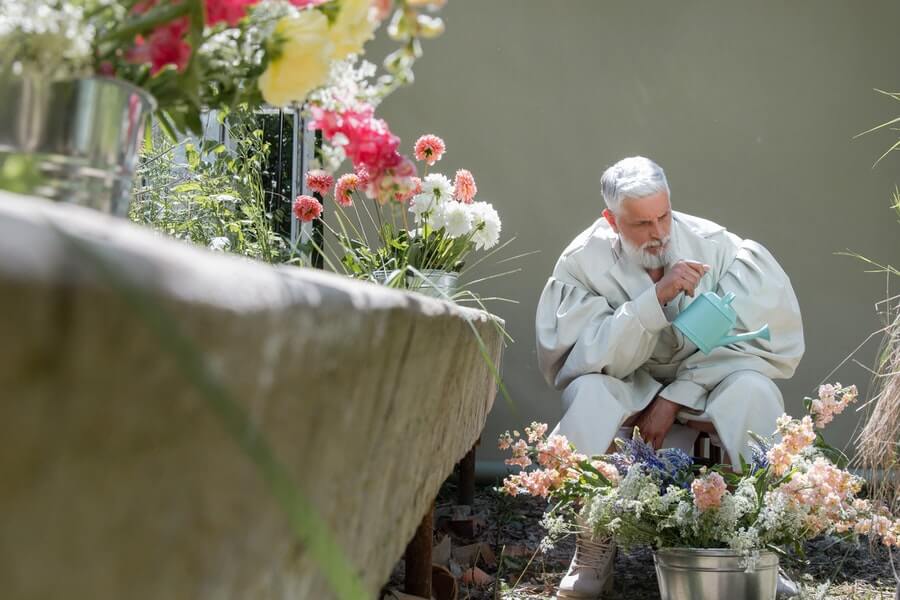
(728, 298)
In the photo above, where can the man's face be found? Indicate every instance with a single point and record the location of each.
(645, 224)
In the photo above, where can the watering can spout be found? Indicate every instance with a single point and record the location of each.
(762, 332)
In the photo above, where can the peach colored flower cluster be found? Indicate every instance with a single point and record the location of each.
(882, 526)
(796, 435)
(558, 461)
(607, 470)
(708, 491)
(824, 493)
(828, 405)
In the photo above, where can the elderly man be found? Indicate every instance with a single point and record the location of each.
(604, 336)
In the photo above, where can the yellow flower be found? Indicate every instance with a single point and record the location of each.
(355, 25)
(304, 62)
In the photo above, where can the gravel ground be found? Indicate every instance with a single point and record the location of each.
(831, 570)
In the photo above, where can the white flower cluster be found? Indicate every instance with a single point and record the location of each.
(265, 14)
(556, 527)
(47, 38)
(348, 86)
(436, 207)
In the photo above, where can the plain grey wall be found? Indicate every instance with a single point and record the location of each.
(750, 108)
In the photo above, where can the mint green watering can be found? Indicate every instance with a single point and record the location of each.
(708, 320)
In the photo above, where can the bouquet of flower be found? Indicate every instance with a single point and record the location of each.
(789, 492)
(417, 224)
(194, 54)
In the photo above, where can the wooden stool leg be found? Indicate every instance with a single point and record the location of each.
(466, 492)
(418, 558)
(715, 453)
(698, 444)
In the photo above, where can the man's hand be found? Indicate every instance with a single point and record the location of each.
(683, 276)
(656, 420)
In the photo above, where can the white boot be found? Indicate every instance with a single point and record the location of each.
(590, 574)
(786, 588)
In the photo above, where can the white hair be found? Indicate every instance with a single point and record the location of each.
(632, 177)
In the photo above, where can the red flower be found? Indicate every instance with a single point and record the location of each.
(227, 11)
(165, 46)
(307, 3)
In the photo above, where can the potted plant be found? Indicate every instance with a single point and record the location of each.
(393, 227)
(711, 528)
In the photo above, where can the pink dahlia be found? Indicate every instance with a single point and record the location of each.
(343, 191)
(408, 188)
(307, 208)
(396, 183)
(464, 186)
(319, 181)
(429, 148)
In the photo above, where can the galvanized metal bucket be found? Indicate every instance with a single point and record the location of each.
(435, 283)
(692, 573)
(72, 141)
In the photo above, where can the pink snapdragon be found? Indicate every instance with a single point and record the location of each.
(708, 491)
(367, 141)
(429, 148)
(307, 208)
(319, 181)
(464, 186)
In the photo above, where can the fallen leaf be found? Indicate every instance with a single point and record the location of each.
(470, 554)
(440, 554)
(476, 576)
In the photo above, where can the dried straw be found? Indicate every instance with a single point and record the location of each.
(878, 442)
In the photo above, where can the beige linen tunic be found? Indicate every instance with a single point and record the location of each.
(604, 339)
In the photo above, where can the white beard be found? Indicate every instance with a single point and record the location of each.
(648, 260)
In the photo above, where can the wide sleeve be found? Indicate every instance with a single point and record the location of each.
(578, 332)
(763, 294)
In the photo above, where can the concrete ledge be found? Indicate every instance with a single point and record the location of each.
(116, 479)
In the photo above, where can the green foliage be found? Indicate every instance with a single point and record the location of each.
(216, 197)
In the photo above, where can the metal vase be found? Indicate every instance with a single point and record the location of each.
(72, 141)
(435, 283)
(691, 573)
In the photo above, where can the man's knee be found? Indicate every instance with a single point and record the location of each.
(750, 382)
(595, 382)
